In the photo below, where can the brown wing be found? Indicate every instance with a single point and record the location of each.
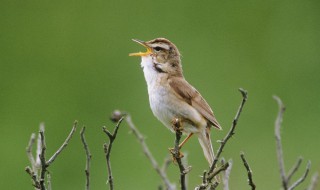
(194, 98)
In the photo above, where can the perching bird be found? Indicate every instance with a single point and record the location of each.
(172, 97)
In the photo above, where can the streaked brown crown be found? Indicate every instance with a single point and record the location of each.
(166, 56)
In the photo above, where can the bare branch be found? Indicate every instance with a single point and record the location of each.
(207, 178)
(314, 181)
(29, 152)
(43, 160)
(38, 152)
(49, 181)
(167, 161)
(33, 176)
(204, 178)
(216, 172)
(244, 94)
(107, 150)
(278, 123)
(54, 156)
(302, 178)
(225, 179)
(214, 185)
(177, 155)
(88, 157)
(294, 169)
(148, 153)
(41, 163)
(212, 173)
(246, 165)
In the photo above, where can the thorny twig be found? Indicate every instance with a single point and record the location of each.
(107, 150)
(246, 165)
(88, 157)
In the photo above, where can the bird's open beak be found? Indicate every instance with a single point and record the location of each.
(148, 52)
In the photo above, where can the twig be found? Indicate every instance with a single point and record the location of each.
(29, 152)
(54, 156)
(33, 176)
(246, 165)
(207, 178)
(214, 185)
(225, 179)
(43, 160)
(41, 163)
(49, 181)
(148, 153)
(286, 179)
(302, 178)
(244, 94)
(294, 169)
(39, 147)
(167, 161)
(107, 149)
(216, 172)
(211, 174)
(278, 123)
(177, 154)
(88, 157)
(314, 181)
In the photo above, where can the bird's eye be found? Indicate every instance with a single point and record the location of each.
(157, 48)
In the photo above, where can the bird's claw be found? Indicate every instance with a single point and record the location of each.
(175, 154)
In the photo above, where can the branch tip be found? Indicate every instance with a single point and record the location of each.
(244, 93)
(249, 171)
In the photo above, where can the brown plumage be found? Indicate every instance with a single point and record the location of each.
(172, 97)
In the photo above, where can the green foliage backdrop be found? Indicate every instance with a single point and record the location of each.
(67, 60)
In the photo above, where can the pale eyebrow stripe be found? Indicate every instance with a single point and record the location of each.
(164, 46)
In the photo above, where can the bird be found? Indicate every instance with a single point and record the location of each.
(172, 97)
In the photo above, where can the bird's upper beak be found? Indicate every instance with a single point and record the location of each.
(148, 52)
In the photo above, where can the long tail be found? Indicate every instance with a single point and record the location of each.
(205, 142)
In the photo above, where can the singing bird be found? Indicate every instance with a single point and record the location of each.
(172, 97)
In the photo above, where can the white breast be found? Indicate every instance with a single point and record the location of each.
(164, 104)
(158, 94)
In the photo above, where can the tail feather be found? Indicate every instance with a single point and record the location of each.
(206, 145)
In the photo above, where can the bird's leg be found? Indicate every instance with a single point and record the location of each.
(185, 140)
(177, 126)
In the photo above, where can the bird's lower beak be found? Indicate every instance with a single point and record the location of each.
(148, 52)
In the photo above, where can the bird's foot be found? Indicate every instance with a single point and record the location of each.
(176, 154)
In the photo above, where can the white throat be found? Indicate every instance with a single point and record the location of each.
(150, 74)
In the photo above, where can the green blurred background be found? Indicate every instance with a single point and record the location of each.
(68, 60)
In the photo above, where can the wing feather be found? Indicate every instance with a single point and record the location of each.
(189, 94)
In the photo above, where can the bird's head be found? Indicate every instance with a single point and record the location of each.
(165, 55)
